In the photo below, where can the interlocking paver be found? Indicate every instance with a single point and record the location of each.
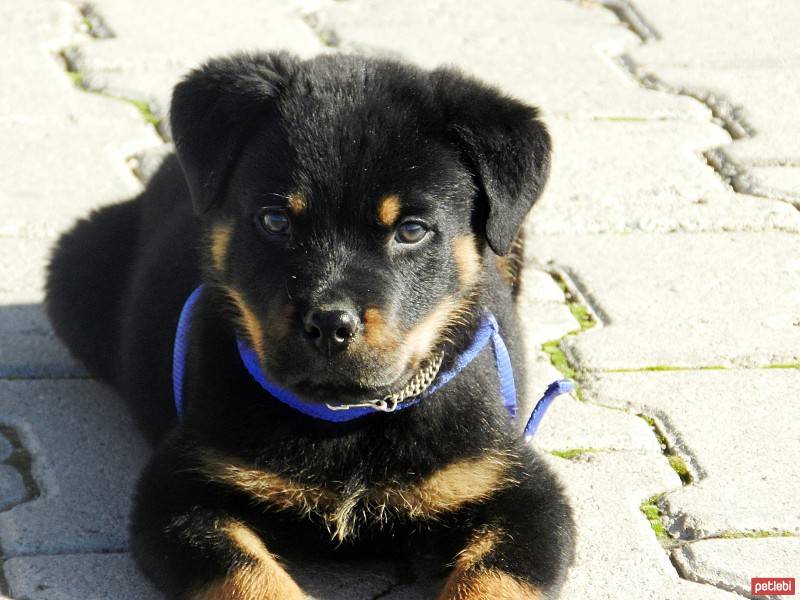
(745, 447)
(86, 456)
(689, 300)
(742, 51)
(617, 554)
(29, 347)
(730, 564)
(597, 185)
(527, 47)
(148, 54)
(77, 577)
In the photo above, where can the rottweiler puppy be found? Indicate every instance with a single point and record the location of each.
(352, 222)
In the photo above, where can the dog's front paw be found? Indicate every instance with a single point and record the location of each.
(488, 584)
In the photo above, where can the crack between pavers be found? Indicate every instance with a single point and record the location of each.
(22, 462)
(328, 36)
(689, 576)
(725, 113)
(93, 24)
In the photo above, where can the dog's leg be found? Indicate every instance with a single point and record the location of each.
(194, 549)
(519, 544)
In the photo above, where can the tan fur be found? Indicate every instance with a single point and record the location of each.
(421, 340)
(280, 322)
(468, 261)
(488, 584)
(480, 545)
(451, 487)
(377, 333)
(446, 490)
(249, 321)
(470, 581)
(389, 209)
(297, 204)
(220, 241)
(510, 265)
(259, 578)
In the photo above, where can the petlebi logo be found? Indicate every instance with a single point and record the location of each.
(772, 586)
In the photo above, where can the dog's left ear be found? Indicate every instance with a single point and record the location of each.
(505, 144)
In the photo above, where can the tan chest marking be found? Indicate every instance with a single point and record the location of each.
(344, 510)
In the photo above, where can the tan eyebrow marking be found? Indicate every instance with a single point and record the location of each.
(389, 209)
(297, 204)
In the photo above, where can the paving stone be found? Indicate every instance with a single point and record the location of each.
(29, 348)
(6, 448)
(730, 564)
(114, 575)
(766, 107)
(77, 577)
(746, 52)
(86, 457)
(683, 300)
(618, 556)
(785, 180)
(595, 190)
(148, 54)
(738, 431)
(12, 487)
(526, 47)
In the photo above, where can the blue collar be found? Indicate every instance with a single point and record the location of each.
(488, 330)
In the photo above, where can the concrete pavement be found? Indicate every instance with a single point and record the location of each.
(663, 270)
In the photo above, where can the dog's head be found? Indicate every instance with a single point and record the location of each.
(347, 204)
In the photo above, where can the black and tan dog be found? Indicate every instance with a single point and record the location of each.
(351, 220)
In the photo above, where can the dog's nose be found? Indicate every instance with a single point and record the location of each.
(330, 330)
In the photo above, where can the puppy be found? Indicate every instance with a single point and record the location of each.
(352, 226)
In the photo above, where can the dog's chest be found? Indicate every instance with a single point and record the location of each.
(344, 507)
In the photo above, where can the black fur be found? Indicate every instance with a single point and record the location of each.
(341, 133)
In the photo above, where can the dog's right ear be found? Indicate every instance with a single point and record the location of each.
(212, 111)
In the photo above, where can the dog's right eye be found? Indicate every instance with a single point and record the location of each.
(274, 220)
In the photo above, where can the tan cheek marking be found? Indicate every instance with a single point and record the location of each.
(451, 487)
(249, 321)
(262, 579)
(377, 333)
(389, 210)
(297, 204)
(280, 322)
(468, 261)
(220, 241)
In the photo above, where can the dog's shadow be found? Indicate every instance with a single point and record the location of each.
(76, 454)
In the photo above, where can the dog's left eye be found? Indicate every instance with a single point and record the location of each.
(411, 232)
(274, 221)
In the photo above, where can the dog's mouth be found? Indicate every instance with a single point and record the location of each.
(408, 385)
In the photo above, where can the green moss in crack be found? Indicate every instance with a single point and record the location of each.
(656, 368)
(557, 358)
(574, 453)
(731, 535)
(783, 366)
(145, 110)
(650, 510)
(679, 466)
